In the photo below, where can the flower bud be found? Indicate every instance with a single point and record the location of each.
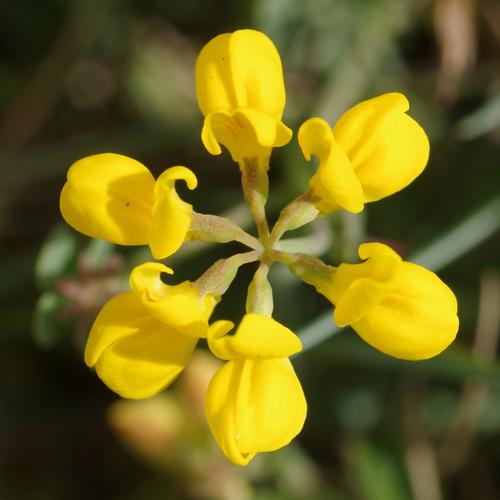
(135, 354)
(241, 93)
(400, 308)
(374, 150)
(115, 198)
(141, 340)
(255, 402)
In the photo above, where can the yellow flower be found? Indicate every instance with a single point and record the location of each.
(141, 340)
(241, 93)
(255, 402)
(374, 150)
(400, 308)
(115, 198)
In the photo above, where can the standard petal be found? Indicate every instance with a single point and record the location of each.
(257, 337)
(110, 197)
(269, 131)
(145, 279)
(245, 132)
(178, 306)
(315, 139)
(216, 339)
(387, 148)
(255, 406)
(335, 185)
(417, 320)
(171, 216)
(381, 266)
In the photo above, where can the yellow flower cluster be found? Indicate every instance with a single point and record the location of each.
(142, 339)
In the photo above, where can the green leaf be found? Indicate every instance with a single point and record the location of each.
(483, 120)
(378, 474)
(455, 364)
(97, 252)
(56, 256)
(48, 330)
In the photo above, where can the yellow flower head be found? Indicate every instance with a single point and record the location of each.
(141, 340)
(374, 150)
(241, 93)
(115, 198)
(255, 402)
(400, 308)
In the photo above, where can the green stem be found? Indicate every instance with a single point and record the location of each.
(255, 185)
(213, 228)
(317, 243)
(219, 276)
(296, 214)
(307, 268)
(260, 292)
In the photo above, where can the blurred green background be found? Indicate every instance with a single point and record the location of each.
(90, 76)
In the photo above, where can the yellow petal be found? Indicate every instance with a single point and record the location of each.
(240, 70)
(335, 184)
(110, 197)
(387, 148)
(178, 306)
(254, 406)
(357, 288)
(119, 317)
(143, 364)
(145, 279)
(360, 299)
(171, 215)
(214, 82)
(417, 320)
(257, 337)
(257, 73)
(220, 400)
(376, 276)
(245, 132)
(134, 354)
